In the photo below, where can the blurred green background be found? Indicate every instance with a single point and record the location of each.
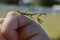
(51, 22)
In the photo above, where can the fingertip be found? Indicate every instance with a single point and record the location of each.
(13, 13)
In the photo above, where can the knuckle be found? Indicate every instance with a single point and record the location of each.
(12, 13)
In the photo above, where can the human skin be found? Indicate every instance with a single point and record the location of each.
(19, 27)
(1, 36)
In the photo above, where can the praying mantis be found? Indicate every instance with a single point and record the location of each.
(32, 14)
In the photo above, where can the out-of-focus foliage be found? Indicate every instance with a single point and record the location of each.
(37, 2)
(12, 1)
(9, 1)
(49, 2)
(2, 0)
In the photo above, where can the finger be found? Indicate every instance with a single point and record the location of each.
(9, 26)
(1, 36)
(30, 30)
(1, 20)
(41, 35)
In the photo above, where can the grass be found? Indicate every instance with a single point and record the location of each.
(2, 15)
(51, 25)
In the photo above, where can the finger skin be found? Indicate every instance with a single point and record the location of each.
(1, 36)
(30, 30)
(33, 32)
(41, 33)
(9, 26)
(27, 29)
(23, 21)
(1, 20)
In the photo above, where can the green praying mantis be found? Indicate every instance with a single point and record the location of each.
(32, 14)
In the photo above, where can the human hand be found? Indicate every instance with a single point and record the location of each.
(19, 27)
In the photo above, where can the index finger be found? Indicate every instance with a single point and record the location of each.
(30, 30)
